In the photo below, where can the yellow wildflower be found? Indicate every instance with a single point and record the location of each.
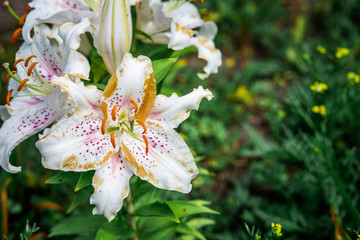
(319, 87)
(353, 77)
(319, 109)
(230, 62)
(276, 229)
(182, 62)
(321, 49)
(358, 237)
(242, 94)
(341, 52)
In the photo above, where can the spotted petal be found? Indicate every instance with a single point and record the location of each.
(174, 109)
(111, 186)
(27, 117)
(76, 143)
(169, 163)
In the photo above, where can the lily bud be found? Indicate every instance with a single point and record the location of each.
(115, 32)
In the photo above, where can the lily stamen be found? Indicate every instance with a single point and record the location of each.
(146, 144)
(22, 84)
(103, 125)
(22, 19)
(113, 112)
(8, 78)
(28, 60)
(31, 68)
(16, 34)
(112, 138)
(135, 104)
(9, 96)
(17, 61)
(143, 125)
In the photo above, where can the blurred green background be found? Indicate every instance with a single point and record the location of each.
(275, 149)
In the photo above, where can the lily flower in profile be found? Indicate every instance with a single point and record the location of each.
(33, 100)
(130, 132)
(175, 23)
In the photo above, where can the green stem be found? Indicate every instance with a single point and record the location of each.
(7, 5)
(130, 209)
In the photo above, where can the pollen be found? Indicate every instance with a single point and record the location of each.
(143, 125)
(135, 104)
(16, 34)
(28, 60)
(112, 138)
(31, 68)
(146, 144)
(17, 61)
(21, 85)
(113, 112)
(9, 96)
(103, 125)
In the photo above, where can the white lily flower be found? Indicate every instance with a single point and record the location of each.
(132, 133)
(174, 23)
(36, 102)
(115, 32)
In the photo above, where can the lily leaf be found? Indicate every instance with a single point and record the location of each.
(157, 209)
(186, 208)
(84, 180)
(64, 177)
(161, 67)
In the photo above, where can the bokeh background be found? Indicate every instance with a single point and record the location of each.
(268, 156)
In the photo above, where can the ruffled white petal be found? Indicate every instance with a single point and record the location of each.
(174, 109)
(180, 37)
(70, 32)
(169, 163)
(209, 53)
(186, 15)
(55, 12)
(76, 143)
(111, 184)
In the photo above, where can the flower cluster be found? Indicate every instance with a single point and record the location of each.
(319, 87)
(123, 130)
(276, 228)
(319, 110)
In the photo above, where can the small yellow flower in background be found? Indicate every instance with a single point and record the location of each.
(276, 229)
(257, 237)
(281, 113)
(183, 62)
(353, 77)
(341, 52)
(319, 87)
(358, 237)
(230, 62)
(319, 109)
(321, 49)
(243, 95)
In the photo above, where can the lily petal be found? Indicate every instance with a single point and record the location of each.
(28, 116)
(186, 15)
(174, 109)
(134, 79)
(180, 37)
(55, 12)
(76, 143)
(169, 163)
(111, 184)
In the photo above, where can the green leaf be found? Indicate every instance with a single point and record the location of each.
(186, 229)
(84, 180)
(116, 229)
(85, 225)
(64, 177)
(81, 197)
(161, 67)
(186, 208)
(200, 222)
(157, 209)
